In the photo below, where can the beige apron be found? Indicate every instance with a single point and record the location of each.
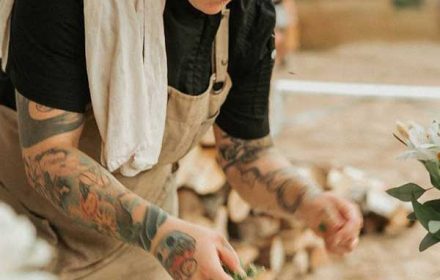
(82, 253)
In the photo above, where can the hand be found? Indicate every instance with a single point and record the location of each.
(189, 251)
(337, 220)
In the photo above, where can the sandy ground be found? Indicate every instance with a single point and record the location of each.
(358, 132)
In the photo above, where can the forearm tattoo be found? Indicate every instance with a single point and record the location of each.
(176, 253)
(81, 188)
(284, 183)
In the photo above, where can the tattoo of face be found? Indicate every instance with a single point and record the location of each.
(176, 253)
(33, 130)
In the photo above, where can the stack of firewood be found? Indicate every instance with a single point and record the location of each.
(206, 199)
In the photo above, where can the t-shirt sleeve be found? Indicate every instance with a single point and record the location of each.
(47, 53)
(245, 113)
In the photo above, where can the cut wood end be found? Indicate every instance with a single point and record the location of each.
(238, 208)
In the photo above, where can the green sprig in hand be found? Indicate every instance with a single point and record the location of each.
(252, 271)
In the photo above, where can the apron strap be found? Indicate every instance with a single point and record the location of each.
(221, 48)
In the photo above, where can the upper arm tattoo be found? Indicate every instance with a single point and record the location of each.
(35, 129)
(239, 151)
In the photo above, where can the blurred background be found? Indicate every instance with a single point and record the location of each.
(379, 42)
(345, 72)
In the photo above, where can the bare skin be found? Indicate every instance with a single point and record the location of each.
(91, 196)
(209, 7)
(269, 182)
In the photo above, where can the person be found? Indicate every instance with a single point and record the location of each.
(108, 226)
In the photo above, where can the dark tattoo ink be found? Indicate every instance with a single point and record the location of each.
(153, 220)
(283, 183)
(176, 253)
(33, 131)
(78, 186)
(242, 151)
(82, 189)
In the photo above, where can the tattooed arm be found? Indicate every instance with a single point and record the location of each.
(87, 193)
(74, 183)
(270, 183)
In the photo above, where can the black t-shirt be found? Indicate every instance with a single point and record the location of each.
(47, 61)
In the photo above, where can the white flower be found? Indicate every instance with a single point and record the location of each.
(21, 251)
(423, 144)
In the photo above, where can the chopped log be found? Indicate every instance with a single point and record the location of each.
(272, 255)
(277, 255)
(290, 240)
(398, 222)
(238, 208)
(215, 200)
(221, 222)
(301, 263)
(266, 275)
(318, 257)
(380, 203)
(298, 240)
(200, 171)
(255, 228)
(374, 223)
(208, 140)
(247, 253)
(190, 203)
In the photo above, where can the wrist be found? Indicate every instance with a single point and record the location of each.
(171, 224)
(154, 219)
(313, 193)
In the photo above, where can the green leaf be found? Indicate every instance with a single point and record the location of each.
(434, 227)
(428, 241)
(408, 192)
(412, 217)
(425, 213)
(434, 204)
(434, 172)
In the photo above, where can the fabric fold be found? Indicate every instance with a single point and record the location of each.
(127, 72)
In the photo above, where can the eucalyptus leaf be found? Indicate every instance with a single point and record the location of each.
(425, 213)
(434, 172)
(434, 204)
(412, 217)
(434, 227)
(408, 192)
(427, 242)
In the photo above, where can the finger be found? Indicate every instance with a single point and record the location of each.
(230, 258)
(216, 271)
(331, 220)
(337, 249)
(350, 211)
